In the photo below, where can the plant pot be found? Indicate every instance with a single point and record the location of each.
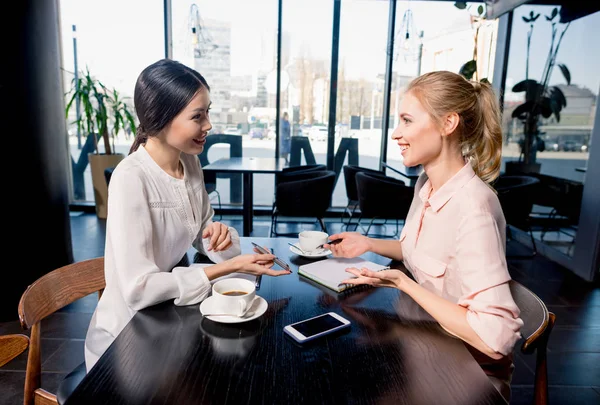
(98, 163)
(515, 168)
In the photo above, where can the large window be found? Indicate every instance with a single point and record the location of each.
(233, 45)
(562, 146)
(432, 36)
(361, 74)
(114, 40)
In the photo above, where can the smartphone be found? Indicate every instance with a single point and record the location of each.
(316, 327)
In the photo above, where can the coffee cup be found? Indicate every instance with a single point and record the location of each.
(311, 240)
(233, 296)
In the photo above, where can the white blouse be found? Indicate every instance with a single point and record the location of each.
(153, 219)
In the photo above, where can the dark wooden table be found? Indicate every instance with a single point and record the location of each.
(247, 166)
(410, 173)
(393, 353)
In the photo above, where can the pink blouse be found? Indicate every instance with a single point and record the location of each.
(454, 245)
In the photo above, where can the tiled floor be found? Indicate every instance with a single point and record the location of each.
(573, 352)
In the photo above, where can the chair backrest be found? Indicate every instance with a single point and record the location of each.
(537, 326)
(210, 181)
(45, 296)
(381, 196)
(306, 194)
(516, 194)
(288, 173)
(11, 346)
(350, 179)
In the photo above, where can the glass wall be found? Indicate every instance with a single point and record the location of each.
(432, 36)
(306, 74)
(562, 146)
(236, 52)
(113, 40)
(361, 76)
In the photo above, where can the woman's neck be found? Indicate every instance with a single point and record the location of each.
(165, 156)
(443, 169)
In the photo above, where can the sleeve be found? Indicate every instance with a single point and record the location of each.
(492, 312)
(130, 253)
(207, 213)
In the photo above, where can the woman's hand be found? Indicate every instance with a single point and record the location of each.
(256, 264)
(353, 244)
(220, 237)
(384, 278)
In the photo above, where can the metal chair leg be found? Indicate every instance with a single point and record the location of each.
(323, 227)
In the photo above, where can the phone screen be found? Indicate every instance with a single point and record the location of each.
(317, 325)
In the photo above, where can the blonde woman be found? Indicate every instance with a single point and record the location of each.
(453, 241)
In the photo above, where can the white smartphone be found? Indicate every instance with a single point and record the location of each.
(315, 327)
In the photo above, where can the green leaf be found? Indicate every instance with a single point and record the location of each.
(522, 110)
(557, 95)
(554, 12)
(485, 80)
(468, 69)
(480, 10)
(525, 85)
(565, 71)
(461, 5)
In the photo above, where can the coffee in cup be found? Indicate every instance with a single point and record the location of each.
(310, 240)
(233, 295)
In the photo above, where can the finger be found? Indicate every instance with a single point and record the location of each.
(353, 270)
(276, 273)
(224, 233)
(370, 273)
(215, 235)
(206, 232)
(225, 244)
(264, 257)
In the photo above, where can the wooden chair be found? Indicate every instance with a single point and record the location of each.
(11, 346)
(538, 324)
(45, 296)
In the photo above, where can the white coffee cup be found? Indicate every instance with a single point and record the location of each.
(310, 240)
(233, 296)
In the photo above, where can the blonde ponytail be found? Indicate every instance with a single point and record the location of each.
(479, 130)
(485, 145)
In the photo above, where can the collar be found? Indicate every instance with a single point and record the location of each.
(447, 191)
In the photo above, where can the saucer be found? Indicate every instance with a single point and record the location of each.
(313, 255)
(259, 307)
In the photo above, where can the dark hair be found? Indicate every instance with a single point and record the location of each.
(162, 90)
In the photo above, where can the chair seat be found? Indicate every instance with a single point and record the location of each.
(70, 382)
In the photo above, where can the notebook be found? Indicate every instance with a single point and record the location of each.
(331, 272)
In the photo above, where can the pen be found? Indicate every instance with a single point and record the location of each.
(277, 260)
(333, 242)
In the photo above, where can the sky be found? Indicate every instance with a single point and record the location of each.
(118, 38)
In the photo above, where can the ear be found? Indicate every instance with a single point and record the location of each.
(450, 123)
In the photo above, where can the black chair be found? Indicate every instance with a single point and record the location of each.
(293, 170)
(516, 194)
(210, 183)
(383, 197)
(305, 194)
(351, 191)
(537, 326)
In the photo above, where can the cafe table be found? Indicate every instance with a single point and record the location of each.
(248, 166)
(392, 353)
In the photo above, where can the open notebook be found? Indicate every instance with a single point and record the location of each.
(331, 272)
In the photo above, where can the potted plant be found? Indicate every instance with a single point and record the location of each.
(104, 113)
(541, 100)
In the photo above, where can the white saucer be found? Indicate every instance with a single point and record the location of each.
(259, 307)
(313, 255)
